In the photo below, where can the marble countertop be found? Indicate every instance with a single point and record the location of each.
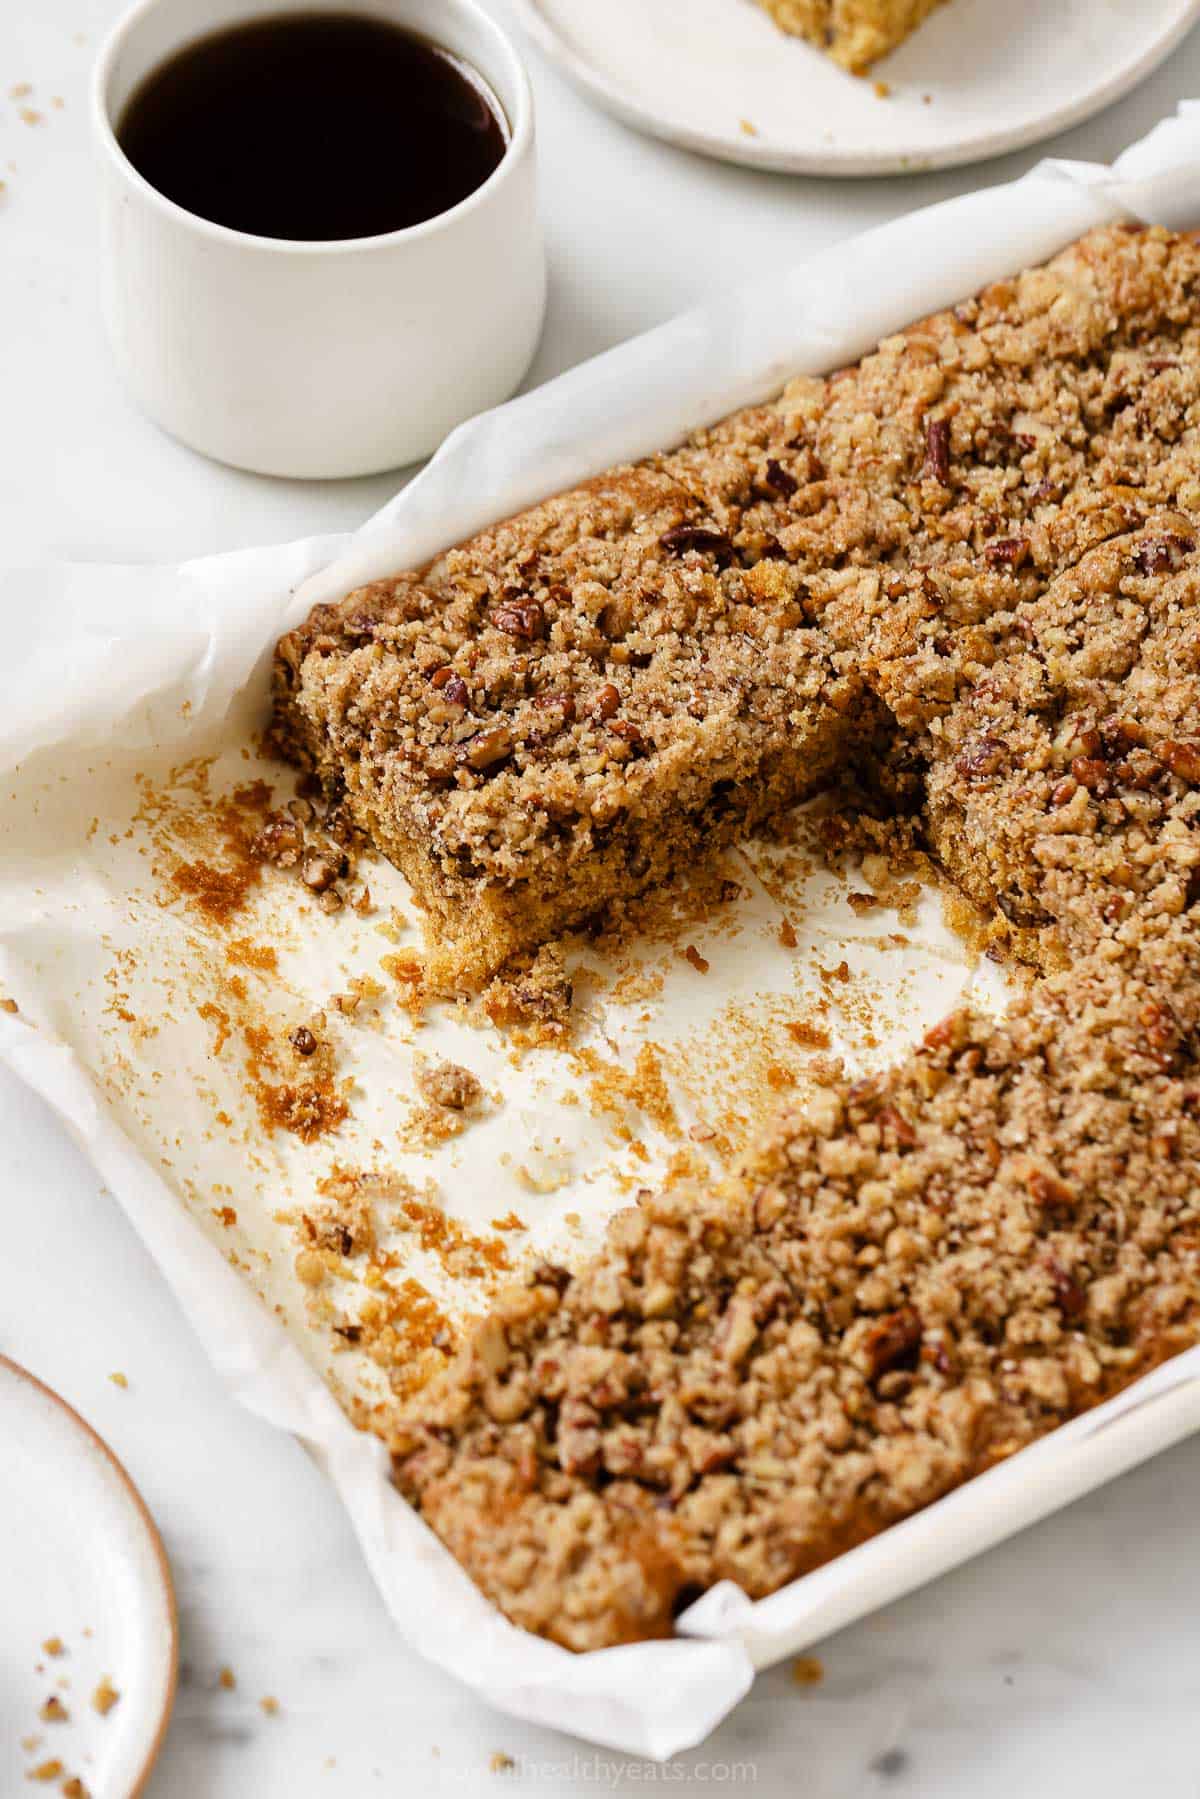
(1066, 1661)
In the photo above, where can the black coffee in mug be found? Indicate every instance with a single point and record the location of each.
(316, 126)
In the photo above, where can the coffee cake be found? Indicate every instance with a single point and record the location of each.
(909, 1281)
(970, 562)
(574, 705)
(855, 33)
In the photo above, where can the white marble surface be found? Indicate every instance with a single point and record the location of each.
(1066, 1662)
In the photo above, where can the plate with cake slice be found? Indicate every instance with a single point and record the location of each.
(855, 87)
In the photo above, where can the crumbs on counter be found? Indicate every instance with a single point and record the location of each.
(807, 1670)
(226, 1679)
(53, 1711)
(501, 1762)
(119, 1380)
(270, 1705)
(54, 1646)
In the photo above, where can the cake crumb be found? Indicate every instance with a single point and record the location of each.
(226, 1679)
(747, 128)
(47, 1771)
(501, 1763)
(73, 1788)
(105, 1697)
(54, 1711)
(807, 1670)
(119, 1380)
(882, 89)
(448, 1084)
(270, 1705)
(54, 1646)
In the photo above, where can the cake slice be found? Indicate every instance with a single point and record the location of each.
(855, 33)
(909, 1281)
(569, 709)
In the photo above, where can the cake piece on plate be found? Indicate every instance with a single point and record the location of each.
(855, 33)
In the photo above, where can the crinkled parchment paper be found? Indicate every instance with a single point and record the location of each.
(159, 980)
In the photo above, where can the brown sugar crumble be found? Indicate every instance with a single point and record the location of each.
(966, 573)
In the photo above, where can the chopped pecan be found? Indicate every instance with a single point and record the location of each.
(303, 1041)
(562, 703)
(778, 479)
(1182, 758)
(487, 748)
(894, 1341)
(550, 1274)
(606, 703)
(318, 873)
(682, 538)
(981, 757)
(629, 736)
(1092, 772)
(1051, 1194)
(895, 1122)
(524, 621)
(937, 450)
(1162, 555)
(1069, 1296)
(1006, 552)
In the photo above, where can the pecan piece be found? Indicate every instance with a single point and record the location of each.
(318, 873)
(634, 744)
(894, 1341)
(487, 748)
(778, 479)
(562, 703)
(1052, 1195)
(1069, 1296)
(895, 1122)
(303, 1041)
(606, 703)
(981, 757)
(1092, 772)
(1006, 552)
(682, 538)
(525, 621)
(1183, 759)
(1162, 555)
(937, 450)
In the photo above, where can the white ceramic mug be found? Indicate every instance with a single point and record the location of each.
(318, 359)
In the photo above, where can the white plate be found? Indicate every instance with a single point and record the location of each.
(80, 1560)
(976, 79)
